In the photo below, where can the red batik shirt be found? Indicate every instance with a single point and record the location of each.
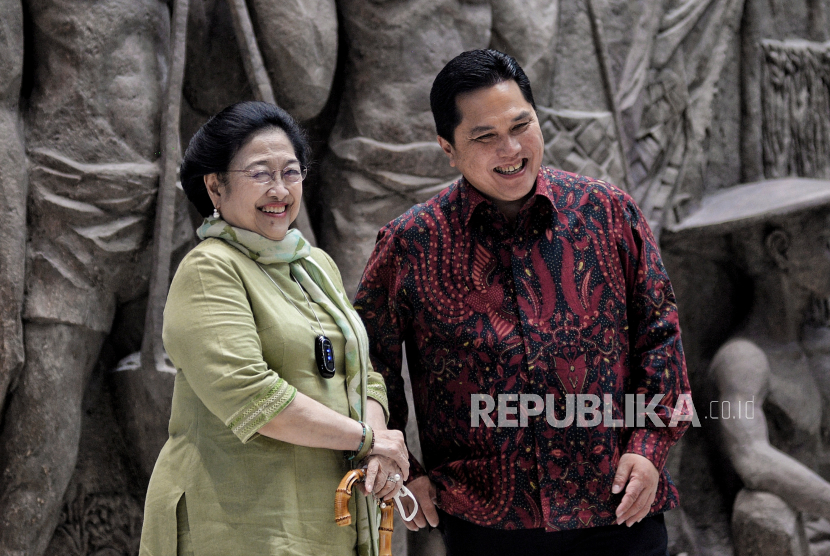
(573, 299)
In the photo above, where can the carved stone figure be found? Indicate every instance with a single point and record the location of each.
(633, 95)
(92, 126)
(768, 377)
(773, 71)
(796, 98)
(671, 76)
(298, 40)
(13, 180)
(670, 99)
(576, 106)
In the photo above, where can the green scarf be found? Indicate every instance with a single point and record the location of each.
(294, 250)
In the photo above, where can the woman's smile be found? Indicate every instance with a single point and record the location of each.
(277, 211)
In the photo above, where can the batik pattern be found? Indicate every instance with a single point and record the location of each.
(572, 300)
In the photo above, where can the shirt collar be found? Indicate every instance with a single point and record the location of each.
(470, 198)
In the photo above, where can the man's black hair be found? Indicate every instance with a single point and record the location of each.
(216, 143)
(467, 72)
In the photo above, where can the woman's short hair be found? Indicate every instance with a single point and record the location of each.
(216, 143)
(468, 72)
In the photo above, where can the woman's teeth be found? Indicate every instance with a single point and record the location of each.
(275, 210)
(508, 170)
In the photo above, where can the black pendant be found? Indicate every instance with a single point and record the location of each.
(324, 352)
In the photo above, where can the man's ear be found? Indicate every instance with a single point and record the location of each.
(777, 244)
(448, 149)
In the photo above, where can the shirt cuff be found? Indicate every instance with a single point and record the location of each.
(247, 421)
(651, 444)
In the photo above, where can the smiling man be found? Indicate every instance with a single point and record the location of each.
(521, 283)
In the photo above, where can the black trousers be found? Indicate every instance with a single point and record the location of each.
(646, 538)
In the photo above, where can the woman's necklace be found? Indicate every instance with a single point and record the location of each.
(323, 350)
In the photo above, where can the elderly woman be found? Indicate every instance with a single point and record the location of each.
(274, 397)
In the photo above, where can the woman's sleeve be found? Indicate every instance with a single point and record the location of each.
(376, 387)
(210, 335)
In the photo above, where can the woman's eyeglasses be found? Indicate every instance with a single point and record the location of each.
(289, 175)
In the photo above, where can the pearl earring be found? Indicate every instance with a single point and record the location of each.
(216, 214)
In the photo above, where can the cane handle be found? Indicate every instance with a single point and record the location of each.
(342, 516)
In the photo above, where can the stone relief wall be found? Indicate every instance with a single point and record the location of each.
(753, 274)
(782, 132)
(672, 100)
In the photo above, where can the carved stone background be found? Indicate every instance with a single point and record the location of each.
(672, 100)
(796, 95)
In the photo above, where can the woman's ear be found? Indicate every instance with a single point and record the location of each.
(215, 189)
(777, 244)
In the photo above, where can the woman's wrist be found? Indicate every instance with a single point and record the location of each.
(368, 445)
(367, 442)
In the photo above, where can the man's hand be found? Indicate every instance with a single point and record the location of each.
(424, 492)
(642, 478)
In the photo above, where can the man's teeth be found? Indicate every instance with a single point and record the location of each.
(276, 210)
(510, 169)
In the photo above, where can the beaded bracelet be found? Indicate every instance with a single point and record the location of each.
(362, 441)
(367, 447)
(372, 446)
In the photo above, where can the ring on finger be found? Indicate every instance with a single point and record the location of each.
(394, 478)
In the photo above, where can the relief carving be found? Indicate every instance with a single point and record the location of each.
(629, 92)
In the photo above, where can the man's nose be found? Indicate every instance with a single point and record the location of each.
(509, 146)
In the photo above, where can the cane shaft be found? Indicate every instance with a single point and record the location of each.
(385, 530)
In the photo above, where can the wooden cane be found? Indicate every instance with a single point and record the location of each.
(342, 516)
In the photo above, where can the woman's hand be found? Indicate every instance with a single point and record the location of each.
(391, 444)
(388, 458)
(383, 477)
